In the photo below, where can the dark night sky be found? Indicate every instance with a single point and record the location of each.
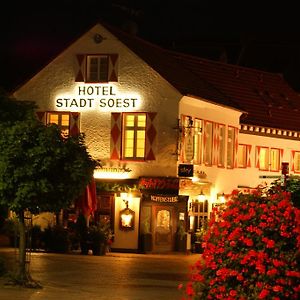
(264, 37)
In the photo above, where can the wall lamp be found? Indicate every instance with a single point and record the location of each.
(201, 197)
(221, 198)
(126, 215)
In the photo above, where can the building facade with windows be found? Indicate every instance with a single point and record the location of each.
(175, 134)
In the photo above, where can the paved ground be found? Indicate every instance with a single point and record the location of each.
(115, 276)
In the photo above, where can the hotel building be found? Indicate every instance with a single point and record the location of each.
(175, 133)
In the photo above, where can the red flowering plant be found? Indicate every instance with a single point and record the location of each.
(251, 250)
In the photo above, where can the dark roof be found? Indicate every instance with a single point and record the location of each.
(266, 98)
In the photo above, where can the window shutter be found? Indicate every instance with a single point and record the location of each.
(41, 115)
(248, 155)
(81, 68)
(216, 144)
(74, 123)
(150, 136)
(113, 67)
(115, 136)
(257, 157)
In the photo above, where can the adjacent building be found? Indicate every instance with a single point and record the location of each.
(175, 133)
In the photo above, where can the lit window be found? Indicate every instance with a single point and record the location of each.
(221, 152)
(242, 156)
(230, 147)
(62, 120)
(297, 162)
(197, 141)
(97, 68)
(208, 143)
(134, 136)
(264, 158)
(274, 159)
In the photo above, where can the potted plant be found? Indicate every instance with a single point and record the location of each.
(98, 239)
(198, 237)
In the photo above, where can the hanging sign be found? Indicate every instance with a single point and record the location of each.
(185, 170)
(189, 147)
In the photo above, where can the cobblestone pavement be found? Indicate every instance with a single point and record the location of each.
(115, 276)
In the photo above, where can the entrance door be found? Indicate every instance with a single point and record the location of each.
(163, 228)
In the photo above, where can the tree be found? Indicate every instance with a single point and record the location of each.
(40, 170)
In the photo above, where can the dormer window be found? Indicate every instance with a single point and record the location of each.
(97, 68)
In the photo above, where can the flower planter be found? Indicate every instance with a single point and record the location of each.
(99, 249)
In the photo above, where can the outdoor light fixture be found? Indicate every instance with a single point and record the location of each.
(126, 215)
(98, 38)
(221, 198)
(201, 197)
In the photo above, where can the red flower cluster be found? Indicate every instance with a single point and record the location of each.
(158, 183)
(251, 250)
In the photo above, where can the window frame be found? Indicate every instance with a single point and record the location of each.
(208, 148)
(231, 150)
(242, 165)
(63, 128)
(296, 154)
(266, 163)
(101, 68)
(135, 128)
(222, 141)
(277, 168)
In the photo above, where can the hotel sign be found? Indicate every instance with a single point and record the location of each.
(103, 97)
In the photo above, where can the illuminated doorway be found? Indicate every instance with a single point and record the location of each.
(163, 228)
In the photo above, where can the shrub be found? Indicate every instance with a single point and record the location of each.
(251, 250)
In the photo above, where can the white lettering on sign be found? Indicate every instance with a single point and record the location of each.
(164, 198)
(102, 97)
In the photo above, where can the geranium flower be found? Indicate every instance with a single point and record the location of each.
(251, 250)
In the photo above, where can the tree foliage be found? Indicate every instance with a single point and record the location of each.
(40, 170)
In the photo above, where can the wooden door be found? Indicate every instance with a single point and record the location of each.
(163, 228)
